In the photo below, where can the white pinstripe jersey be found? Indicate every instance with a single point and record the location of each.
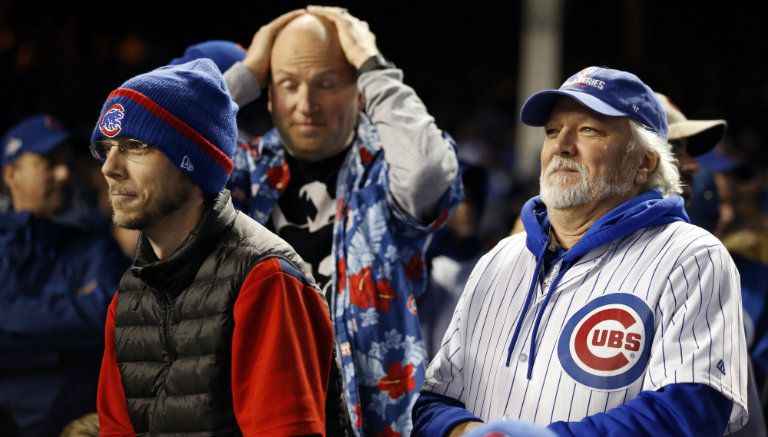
(659, 306)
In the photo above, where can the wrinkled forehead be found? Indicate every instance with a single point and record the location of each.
(307, 42)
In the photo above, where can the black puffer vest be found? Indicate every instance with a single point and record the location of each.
(173, 325)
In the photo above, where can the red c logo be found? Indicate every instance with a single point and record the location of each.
(582, 349)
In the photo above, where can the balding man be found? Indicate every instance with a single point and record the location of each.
(356, 176)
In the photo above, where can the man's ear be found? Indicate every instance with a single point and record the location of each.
(269, 98)
(8, 176)
(649, 161)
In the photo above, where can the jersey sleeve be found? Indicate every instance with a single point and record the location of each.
(700, 335)
(111, 405)
(445, 375)
(281, 354)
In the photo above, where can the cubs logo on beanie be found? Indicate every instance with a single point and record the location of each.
(184, 111)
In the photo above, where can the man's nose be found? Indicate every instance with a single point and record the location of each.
(307, 100)
(565, 142)
(113, 166)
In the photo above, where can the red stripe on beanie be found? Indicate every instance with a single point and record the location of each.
(183, 128)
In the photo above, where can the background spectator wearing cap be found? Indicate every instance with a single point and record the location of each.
(56, 281)
(691, 139)
(35, 161)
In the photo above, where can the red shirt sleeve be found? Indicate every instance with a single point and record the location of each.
(281, 354)
(110, 399)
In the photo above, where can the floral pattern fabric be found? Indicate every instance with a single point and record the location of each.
(379, 253)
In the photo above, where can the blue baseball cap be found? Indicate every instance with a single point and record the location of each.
(39, 133)
(610, 92)
(223, 53)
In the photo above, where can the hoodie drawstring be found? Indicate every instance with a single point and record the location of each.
(531, 291)
(528, 299)
(532, 352)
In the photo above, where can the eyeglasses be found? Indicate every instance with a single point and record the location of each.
(128, 147)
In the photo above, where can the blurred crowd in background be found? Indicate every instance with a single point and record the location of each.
(462, 57)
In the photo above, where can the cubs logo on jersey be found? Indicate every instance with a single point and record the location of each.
(606, 345)
(111, 122)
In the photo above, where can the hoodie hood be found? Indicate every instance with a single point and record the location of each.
(646, 210)
(643, 211)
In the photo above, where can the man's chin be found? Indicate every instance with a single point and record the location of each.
(127, 221)
(309, 149)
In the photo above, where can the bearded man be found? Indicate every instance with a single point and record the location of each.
(611, 314)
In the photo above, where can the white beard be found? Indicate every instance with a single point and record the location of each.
(556, 192)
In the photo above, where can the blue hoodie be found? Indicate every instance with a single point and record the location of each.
(649, 413)
(56, 282)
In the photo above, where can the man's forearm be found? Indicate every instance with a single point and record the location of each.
(441, 416)
(242, 84)
(422, 161)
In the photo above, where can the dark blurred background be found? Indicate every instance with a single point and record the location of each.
(461, 57)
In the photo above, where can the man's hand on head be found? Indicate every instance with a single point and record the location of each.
(258, 54)
(356, 39)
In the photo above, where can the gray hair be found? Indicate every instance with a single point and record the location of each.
(666, 178)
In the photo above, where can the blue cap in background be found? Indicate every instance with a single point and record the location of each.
(39, 133)
(223, 53)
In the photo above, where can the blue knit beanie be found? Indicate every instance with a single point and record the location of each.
(223, 53)
(183, 110)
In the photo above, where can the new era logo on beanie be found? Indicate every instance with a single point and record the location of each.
(184, 111)
(606, 91)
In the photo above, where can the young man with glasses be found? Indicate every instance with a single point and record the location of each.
(215, 311)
